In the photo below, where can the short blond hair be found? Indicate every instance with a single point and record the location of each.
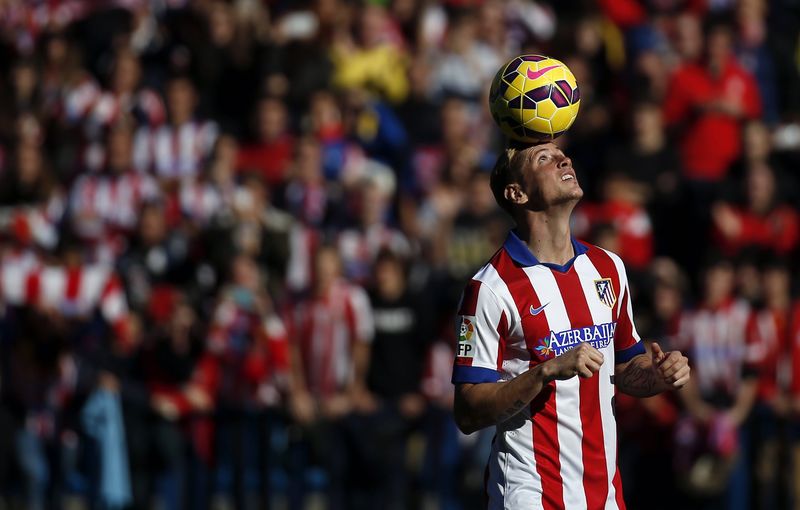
(507, 170)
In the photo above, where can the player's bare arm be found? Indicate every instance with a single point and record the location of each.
(485, 404)
(650, 374)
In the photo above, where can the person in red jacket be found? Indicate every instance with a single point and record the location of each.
(706, 103)
(769, 331)
(270, 153)
(762, 220)
(708, 99)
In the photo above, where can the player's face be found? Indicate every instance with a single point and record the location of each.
(549, 179)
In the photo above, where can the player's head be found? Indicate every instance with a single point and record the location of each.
(535, 178)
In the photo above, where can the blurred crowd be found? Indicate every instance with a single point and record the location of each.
(233, 235)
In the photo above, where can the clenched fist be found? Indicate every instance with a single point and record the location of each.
(672, 367)
(584, 360)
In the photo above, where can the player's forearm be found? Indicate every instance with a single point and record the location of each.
(638, 378)
(482, 405)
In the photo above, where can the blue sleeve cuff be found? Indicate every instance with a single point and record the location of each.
(465, 374)
(625, 355)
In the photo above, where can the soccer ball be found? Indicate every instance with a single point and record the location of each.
(534, 98)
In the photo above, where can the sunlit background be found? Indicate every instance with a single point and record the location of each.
(233, 236)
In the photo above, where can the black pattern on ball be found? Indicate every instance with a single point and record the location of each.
(540, 93)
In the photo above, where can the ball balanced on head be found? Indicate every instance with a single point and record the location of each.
(534, 98)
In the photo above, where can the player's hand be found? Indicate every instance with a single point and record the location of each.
(584, 360)
(672, 367)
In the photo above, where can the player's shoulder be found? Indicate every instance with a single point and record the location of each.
(487, 276)
(486, 283)
(595, 252)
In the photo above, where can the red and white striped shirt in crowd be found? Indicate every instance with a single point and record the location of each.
(200, 200)
(24, 22)
(106, 108)
(561, 452)
(34, 223)
(174, 152)
(144, 105)
(768, 331)
(303, 243)
(72, 291)
(717, 343)
(101, 203)
(325, 329)
(359, 247)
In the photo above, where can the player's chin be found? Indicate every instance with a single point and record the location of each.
(574, 193)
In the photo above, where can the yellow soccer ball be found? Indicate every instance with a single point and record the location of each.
(534, 98)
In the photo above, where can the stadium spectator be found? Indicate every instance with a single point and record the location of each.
(373, 57)
(171, 446)
(179, 148)
(707, 101)
(720, 397)
(123, 99)
(397, 363)
(156, 254)
(761, 221)
(769, 331)
(273, 147)
(360, 244)
(652, 164)
(331, 330)
(248, 342)
(104, 206)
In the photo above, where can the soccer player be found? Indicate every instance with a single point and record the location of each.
(545, 335)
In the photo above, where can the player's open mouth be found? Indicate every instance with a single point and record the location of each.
(566, 177)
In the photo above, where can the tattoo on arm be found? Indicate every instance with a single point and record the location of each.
(511, 411)
(638, 380)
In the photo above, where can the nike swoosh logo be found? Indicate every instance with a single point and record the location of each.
(537, 311)
(536, 74)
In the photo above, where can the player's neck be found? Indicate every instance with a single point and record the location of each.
(547, 235)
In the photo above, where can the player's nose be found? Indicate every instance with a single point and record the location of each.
(565, 162)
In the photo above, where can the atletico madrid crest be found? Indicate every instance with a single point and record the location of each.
(605, 291)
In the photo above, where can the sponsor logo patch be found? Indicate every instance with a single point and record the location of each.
(555, 344)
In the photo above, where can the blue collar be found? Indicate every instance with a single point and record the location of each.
(520, 253)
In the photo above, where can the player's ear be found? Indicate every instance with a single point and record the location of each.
(513, 194)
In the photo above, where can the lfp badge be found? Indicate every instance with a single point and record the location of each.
(465, 334)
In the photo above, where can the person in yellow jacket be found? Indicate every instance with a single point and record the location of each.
(376, 62)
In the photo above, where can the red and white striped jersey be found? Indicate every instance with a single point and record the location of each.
(99, 203)
(174, 152)
(561, 452)
(73, 292)
(200, 200)
(716, 341)
(35, 223)
(326, 328)
(144, 105)
(358, 248)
